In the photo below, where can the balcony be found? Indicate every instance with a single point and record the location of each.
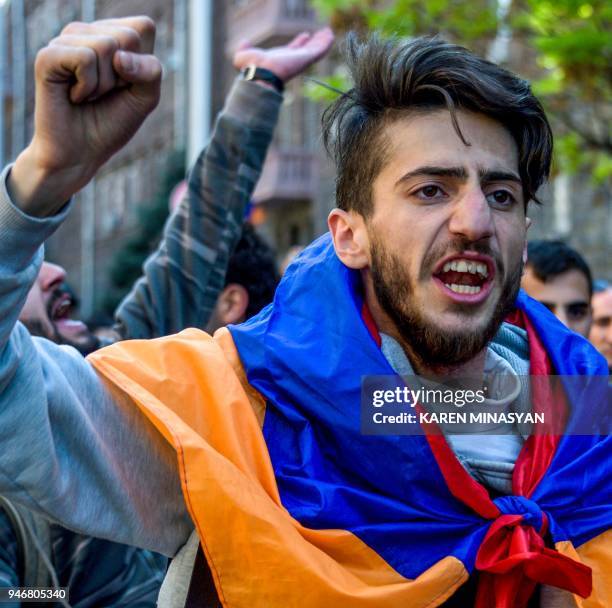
(288, 174)
(267, 22)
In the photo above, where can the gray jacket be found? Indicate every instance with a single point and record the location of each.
(93, 465)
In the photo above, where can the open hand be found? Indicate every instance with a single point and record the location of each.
(289, 60)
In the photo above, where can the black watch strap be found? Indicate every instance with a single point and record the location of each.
(252, 72)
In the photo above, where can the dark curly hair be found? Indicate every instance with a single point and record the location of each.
(392, 75)
(253, 265)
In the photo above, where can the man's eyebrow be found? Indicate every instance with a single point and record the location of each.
(606, 318)
(485, 175)
(499, 176)
(456, 172)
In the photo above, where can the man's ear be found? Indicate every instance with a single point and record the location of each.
(527, 226)
(350, 238)
(232, 304)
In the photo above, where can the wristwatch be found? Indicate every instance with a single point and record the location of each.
(252, 72)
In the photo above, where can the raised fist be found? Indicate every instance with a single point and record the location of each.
(95, 85)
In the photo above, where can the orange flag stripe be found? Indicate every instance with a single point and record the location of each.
(193, 389)
(597, 554)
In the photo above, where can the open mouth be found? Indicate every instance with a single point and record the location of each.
(467, 277)
(61, 308)
(60, 311)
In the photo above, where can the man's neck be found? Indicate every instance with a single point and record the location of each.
(474, 368)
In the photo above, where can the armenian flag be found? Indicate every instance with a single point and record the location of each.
(294, 507)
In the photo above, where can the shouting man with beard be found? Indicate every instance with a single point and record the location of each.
(242, 454)
(47, 311)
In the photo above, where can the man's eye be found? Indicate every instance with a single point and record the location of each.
(577, 312)
(501, 198)
(427, 192)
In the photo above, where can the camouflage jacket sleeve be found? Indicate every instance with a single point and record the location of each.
(183, 278)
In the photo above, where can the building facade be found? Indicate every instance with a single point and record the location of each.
(192, 37)
(195, 42)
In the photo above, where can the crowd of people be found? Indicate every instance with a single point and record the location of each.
(560, 278)
(241, 456)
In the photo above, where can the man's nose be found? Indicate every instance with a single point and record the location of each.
(471, 216)
(50, 276)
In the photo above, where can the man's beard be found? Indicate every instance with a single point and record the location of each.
(432, 346)
(88, 344)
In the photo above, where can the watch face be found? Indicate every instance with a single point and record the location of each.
(253, 72)
(249, 72)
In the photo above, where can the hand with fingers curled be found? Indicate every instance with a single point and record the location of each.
(95, 84)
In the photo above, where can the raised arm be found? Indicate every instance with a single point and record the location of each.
(184, 276)
(72, 448)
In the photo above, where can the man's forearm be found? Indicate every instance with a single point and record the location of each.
(32, 186)
(21, 240)
(183, 278)
(72, 448)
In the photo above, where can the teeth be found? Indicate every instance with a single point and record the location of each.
(470, 289)
(482, 269)
(466, 266)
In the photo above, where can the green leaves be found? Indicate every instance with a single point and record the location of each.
(328, 88)
(565, 51)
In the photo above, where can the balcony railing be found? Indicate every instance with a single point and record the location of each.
(289, 174)
(268, 22)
